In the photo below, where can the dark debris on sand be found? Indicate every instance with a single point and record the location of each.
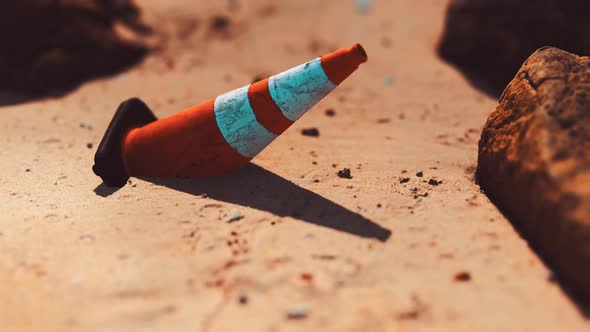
(311, 132)
(345, 173)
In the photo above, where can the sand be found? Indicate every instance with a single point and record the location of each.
(312, 251)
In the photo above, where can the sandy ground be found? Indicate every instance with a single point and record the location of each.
(348, 254)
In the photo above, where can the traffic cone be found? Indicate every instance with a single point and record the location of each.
(222, 134)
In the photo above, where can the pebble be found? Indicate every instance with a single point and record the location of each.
(243, 298)
(85, 125)
(233, 215)
(345, 173)
(298, 312)
(87, 237)
(434, 182)
(462, 276)
(313, 132)
(219, 22)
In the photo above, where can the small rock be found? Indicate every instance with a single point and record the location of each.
(308, 277)
(87, 237)
(298, 312)
(89, 145)
(404, 180)
(85, 125)
(420, 197)
(233, 215)
(345, 173)
(420, 173)
(312, 132)
(462, 276)
(330, 112)
(434, 182)
(243, 299)
(219, 22)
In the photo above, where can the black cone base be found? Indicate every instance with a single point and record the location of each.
(108, 160)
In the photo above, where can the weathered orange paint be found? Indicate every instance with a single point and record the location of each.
(187, 144)
(339, 64)
(267, 112)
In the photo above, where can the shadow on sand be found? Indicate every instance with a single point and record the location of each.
(260, 189)
(103, 190)
(8, 98)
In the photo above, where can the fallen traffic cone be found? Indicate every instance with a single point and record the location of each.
(220, 135)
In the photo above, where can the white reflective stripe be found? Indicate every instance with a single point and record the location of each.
(296, 90)
(237, 122)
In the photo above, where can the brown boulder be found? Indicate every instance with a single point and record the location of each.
(490, 39)
(52, 45)
(534, 161)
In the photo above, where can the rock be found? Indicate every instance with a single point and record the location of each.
(312, 132)
(243, 298)
(297, 312)
(490, 39)
(534, 161)
(55, 45)
(434, 182)
(233, 215)
(344, 173)
(462, 276)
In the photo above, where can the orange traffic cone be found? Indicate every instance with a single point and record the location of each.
(220, 135)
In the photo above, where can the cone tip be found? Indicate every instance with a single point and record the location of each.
(361, 52)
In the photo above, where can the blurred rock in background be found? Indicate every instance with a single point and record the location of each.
(49, 46)
(490, 39)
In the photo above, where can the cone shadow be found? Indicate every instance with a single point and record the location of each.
(260, 189)
(13, 98)
(103, 190)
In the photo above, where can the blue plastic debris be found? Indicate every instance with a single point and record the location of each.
(363, 6)
(388, 80)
